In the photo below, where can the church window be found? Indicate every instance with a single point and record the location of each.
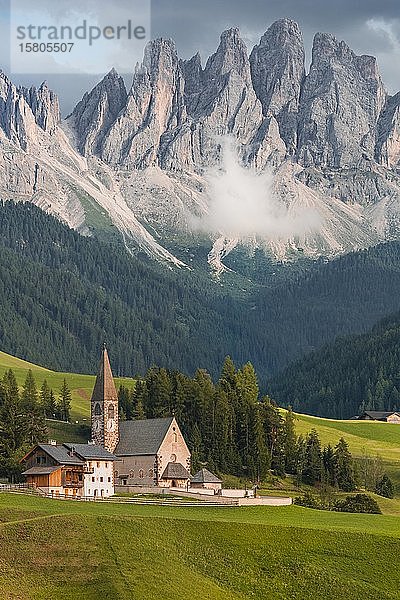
(111, 411)
(151, 473)
(173, 458)
(131, 473)
(97, 410)
(116, 473)
(141, 473)
(175, 437)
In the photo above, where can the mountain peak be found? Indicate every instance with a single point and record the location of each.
(231, 55)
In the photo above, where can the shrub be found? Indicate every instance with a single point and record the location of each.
(309, 500)
(360, 503)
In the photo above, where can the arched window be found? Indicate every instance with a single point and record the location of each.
(116, 474)
(175, 437)
(97, 409)
(131, 473)
(111, 411)
(141, 473)
(151, 473)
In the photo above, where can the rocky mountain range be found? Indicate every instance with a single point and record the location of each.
(139, 160)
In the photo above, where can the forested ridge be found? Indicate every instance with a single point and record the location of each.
(63, 295)
(347, 377)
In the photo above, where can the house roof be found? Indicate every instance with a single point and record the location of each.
(61, 454)
(138, 438)
(41, 470)
(91, 451)
(205, 476)
(378, 415)
(175, 471)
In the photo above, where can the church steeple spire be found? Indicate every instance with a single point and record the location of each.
(104, 406)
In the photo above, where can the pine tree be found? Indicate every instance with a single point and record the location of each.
(384, 487)
(64, 402)
(35, 420)
(301, 451)
(328, 459)
(290, 442)
(48, 401)
(13, 428)
(344, 470)
(312, 472)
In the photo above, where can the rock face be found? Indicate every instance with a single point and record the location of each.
(387, 149)
(97, 111)
(278, 72)
(340, 104)
(330, 137)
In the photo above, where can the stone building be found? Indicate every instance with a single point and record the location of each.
(206, 480)
(150, 452)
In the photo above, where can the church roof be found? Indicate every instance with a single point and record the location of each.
(205, 476)
(91, 451)
(104, 387)
(175, 471)
(144, 437)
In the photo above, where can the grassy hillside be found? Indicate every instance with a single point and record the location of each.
(368, 437)
(81, 385)
(60, 550)
(373, 437)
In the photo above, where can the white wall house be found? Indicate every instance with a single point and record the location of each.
(98, 481)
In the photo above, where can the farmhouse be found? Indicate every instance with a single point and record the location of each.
(150, 452)
(373, 415)
(77, 470)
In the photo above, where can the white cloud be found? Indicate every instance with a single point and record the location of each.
(386, 28)
(242, 203)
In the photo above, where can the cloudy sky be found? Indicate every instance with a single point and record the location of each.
(368, 26)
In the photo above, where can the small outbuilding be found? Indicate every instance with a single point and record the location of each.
(204, 479)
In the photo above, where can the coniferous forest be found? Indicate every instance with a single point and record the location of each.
(347, 377)
(63, 295)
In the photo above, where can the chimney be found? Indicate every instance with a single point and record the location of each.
(53, 442)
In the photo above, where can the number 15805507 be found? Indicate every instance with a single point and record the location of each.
(46, 47)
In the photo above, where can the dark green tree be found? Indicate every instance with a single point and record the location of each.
(64, 402)
(384, 487)
(290, 442)
(312, 472)
(343, 467)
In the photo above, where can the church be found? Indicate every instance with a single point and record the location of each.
(150, 452)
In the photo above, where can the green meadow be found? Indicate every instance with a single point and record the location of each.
(53, 549)
(71, 550)
(81, 386)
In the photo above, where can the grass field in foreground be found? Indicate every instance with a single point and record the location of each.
(81, 385)
(66, 550)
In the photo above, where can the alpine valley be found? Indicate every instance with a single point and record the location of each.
(136, 170)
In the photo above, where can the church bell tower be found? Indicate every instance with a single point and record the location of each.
(104, 407)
